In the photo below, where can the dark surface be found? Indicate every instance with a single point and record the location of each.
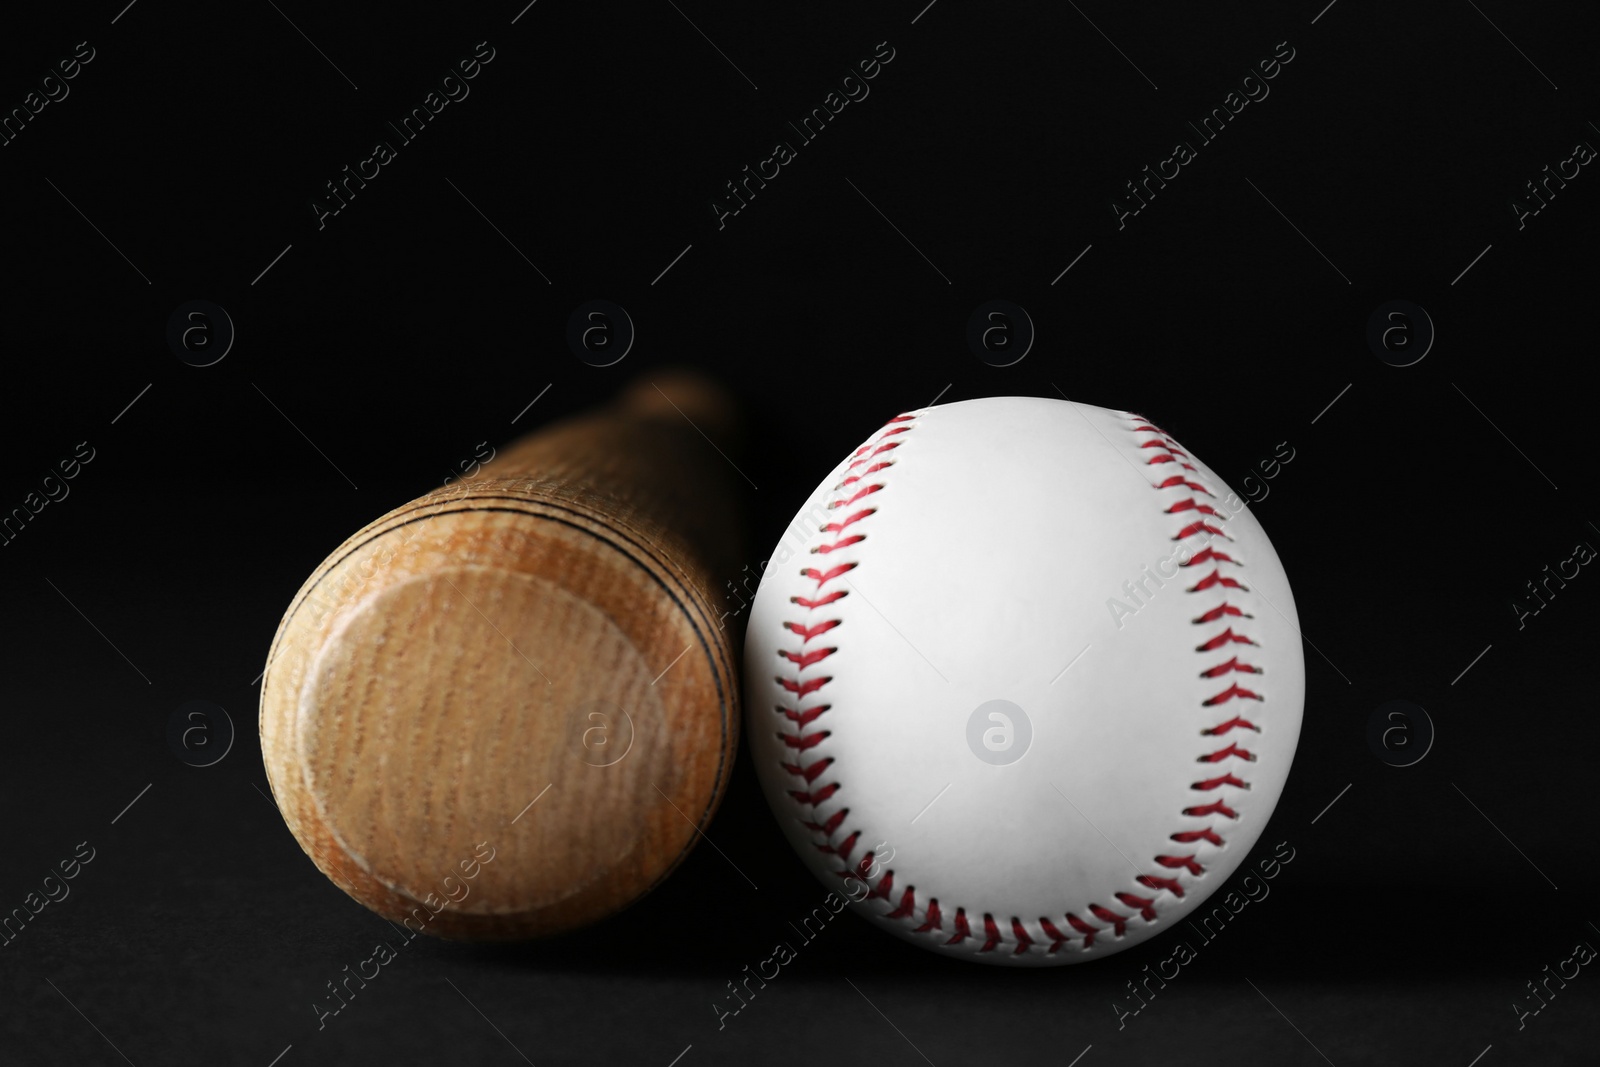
(408, 330)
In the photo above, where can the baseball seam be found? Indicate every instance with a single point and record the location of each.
(1208, 521)
(803, 679)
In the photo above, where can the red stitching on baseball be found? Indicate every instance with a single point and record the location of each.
(859, 493)
(1229, 725)
(804, 660)
(1023, 940)
(804, 715)
(1223, 638)
(857, 458)
(801, 689)
(823, 577)
(846, 543)
(808, 602)
(991, 933)
(1218, 782)
(1216, 807)
(807, 659)
(1178, 479)
(1083, 928)
(1145, 906)
(808, 773)
(1186, 862)
(1118, 923)
(1220, 610)
(1209, 555)
(1196, 528)
(804, 741)
(1225, 753)
(817, 797)
(831, 825)
(1232, 665)
(870, 470)
(1194, 505)
(1216, 580)
(843, 850)
(808, 632)
(838, 527)
(907, 906)
(1233, 691)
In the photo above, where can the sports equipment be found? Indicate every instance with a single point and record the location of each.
(507, 708)
(1029, 672)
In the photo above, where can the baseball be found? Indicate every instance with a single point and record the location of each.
(1023, 680)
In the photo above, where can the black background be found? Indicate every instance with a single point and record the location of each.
(408, 330)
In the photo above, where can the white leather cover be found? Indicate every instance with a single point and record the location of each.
(995, 538)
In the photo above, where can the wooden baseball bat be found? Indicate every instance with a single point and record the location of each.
(507, 708)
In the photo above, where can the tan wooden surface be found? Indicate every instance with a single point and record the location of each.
(543, 634)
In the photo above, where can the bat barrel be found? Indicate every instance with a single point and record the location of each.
(526, 666)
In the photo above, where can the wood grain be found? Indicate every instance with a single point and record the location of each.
(528, 661)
